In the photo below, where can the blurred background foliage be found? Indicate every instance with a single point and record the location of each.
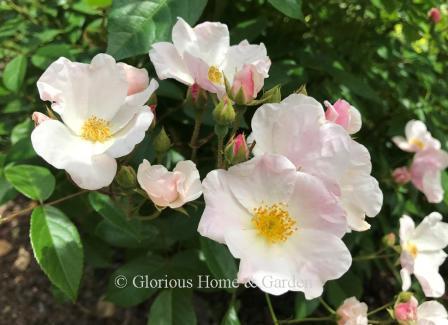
(386, 57)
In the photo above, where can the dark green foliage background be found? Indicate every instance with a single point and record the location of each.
(384, 56)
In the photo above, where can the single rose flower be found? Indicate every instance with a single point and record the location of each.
(426, 173)
(202, 55)
(435, 15)
(170, 189)
(428, 313)
(406, 312)
(296, 128)
(418, 138)
(99, 121)
(401, 175)
(344, 114)
(422, 253)
(284, 225)
(352, 312)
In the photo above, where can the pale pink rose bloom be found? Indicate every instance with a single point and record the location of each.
(432, 313)
(170, 189)
(138, 79)
(401, 175)
(406, 312)
(297, 129)
(203, 55)
(418, 138)
(99, 120)
(426, 173)
(435, 15)
(39, 118)
(422, 253)
(344, 114)
(352, 312)
(284, 225)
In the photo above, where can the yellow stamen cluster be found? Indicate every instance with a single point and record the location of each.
(273, 222)
(96, 130)
(214, 75)
(411, 248)
(418, 143)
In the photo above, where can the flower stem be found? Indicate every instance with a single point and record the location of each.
(380, 308)
(219, 155)
(372, 257)
(271, 309)
(327, 306)
(305, 320)
(34, 204)
(195, 135)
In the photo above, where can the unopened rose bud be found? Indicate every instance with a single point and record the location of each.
(126, 177)
(389, 240)
(401, 175)
(197, 96)
(237, 150)
(243, 88)
(435, 15)
(224, 113)
(161, 142)
(38, 118)
(406, 312)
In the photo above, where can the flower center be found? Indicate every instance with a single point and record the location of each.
(417, 142)
(95, 129)
(411, 249)
(273, 222)
(214, 75)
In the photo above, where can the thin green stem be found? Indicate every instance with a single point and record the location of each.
(304, 320)
(271, 309)
(372, 257)
(195, 135)
(380, 308)
(327, 306)
(220, 152)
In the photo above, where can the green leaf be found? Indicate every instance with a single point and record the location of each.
(34, 182)
(127, 286)
(104, 206)
(14, 73)
(290, 8)
(22, 130)
(219, 260)
(231, 317)
(134, 25)
(57, 248)
(115, 236)
(49, 53)
(303, 307)
(172, 307)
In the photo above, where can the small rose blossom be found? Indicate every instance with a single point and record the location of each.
(352, 312)
(401, 175)
(344, 114)
(422, 253)
(435, 15)
(236, 150)
(38, 118)
(170, 189)
(406, 312)
(426, 173)
(418, 138)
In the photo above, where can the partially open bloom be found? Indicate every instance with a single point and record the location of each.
(344, 114)
(103, 117)
(428, 313)
(202, 55)
(418, 138)
(422, 253)
(426, 173)
(170, 189)
(435, 15)
(352, 312)
(401, 175)
(296, 128)
(283, 224)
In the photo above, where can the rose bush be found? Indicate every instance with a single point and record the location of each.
(252, 143)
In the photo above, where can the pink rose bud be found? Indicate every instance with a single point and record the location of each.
(243, 87)
(137, 79)
(344, 114)
(406, 312)
(38, 118)
(401, 175)
(197, 96)
(237, 150)
(435, 15)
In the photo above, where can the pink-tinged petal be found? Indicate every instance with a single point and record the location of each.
(208, 41)
(138, 79)
(401, 175)
(169, 64)
(402, 143)
(352, 312)
(343, 108)
(432, 313)
(191, 188)
(431, 233)
(244, 82)
(426, 270)
(406, 311)
(407, 227)
(39, 118)
(355, 122)
(330, 113)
